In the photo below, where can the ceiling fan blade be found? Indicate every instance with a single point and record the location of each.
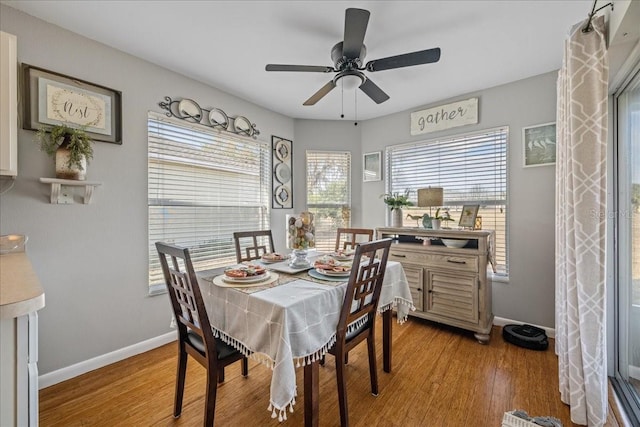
(307, 68)
(321, 93)
(373, 91)
(406, 60)
(355, 26)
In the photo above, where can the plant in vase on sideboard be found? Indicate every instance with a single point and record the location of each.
(437, 219)
(72, 148)
(396, 202)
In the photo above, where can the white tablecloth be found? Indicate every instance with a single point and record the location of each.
(292, 324)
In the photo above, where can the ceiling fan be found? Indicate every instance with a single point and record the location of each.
(348, 56)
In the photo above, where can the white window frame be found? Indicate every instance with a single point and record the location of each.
(201, 182)
(325, 231)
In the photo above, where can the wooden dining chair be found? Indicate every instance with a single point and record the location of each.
(358, 314)
(350, 237)
(253, 243)
(195, 336)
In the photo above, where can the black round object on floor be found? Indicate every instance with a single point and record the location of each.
(526, 336)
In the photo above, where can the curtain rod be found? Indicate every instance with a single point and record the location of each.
(587, 28)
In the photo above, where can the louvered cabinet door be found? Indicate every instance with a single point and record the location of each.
(415, 276)
(452, 294)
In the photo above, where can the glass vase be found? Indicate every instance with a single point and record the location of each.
(299, 259)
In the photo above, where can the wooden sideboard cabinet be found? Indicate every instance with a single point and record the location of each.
(448, 285)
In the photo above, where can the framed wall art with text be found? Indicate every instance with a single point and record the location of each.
(52, 99)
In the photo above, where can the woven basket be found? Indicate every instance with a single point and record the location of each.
(510, 420)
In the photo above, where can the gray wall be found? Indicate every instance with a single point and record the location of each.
(92, 259)
(530, 294)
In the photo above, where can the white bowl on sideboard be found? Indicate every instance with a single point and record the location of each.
(455, 243)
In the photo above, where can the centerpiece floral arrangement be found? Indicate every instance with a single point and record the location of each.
(301, 231)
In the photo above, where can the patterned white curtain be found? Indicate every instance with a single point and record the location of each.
(580, 224)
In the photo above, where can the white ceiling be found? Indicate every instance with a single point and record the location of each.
(227, 44)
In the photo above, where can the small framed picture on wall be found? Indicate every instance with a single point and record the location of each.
(372, 166)
(539, 145)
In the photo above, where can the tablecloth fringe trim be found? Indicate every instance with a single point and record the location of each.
(317, 355)
(281, 413)
(242, 348)
(396, 301)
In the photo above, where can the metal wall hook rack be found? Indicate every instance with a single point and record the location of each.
(588, 28)
(189, 110)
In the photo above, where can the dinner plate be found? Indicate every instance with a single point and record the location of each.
(338, 257)
(333, 273)
(249, 279)
(221, 282)
(272, 260)
(316, 275)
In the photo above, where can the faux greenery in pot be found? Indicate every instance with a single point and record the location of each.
(446, 216)
(71, 147)
(397, 200)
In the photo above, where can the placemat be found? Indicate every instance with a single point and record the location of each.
(219, 281)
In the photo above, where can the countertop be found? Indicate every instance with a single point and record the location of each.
(20, 289)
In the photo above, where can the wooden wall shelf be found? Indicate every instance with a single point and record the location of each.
(60, 195)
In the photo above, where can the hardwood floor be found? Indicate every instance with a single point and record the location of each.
(441, 377)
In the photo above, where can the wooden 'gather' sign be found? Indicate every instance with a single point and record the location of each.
(452, 115)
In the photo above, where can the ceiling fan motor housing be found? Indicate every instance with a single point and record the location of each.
(343, 63)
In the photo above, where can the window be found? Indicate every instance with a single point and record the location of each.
(626, 219)
(202, 186)
(472, 169)
(329, 194)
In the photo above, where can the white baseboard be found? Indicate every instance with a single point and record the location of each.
(634, 372)
(501, 321)
(80, 368)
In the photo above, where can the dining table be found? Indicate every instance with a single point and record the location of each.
(288, 320)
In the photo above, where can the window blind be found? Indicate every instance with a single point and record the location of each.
(472, 170)
(329, 194)
(203, 185)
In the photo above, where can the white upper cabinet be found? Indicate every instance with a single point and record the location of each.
(8, 105)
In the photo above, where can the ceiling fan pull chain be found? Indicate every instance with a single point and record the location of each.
(355, 94)
(342, 99)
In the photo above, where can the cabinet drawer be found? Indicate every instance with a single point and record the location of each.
(418, 258)
(455, 262)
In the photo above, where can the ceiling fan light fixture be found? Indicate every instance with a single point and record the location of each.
(351, 81)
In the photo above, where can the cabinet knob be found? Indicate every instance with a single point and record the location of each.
(453, 261)
(399, 255)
